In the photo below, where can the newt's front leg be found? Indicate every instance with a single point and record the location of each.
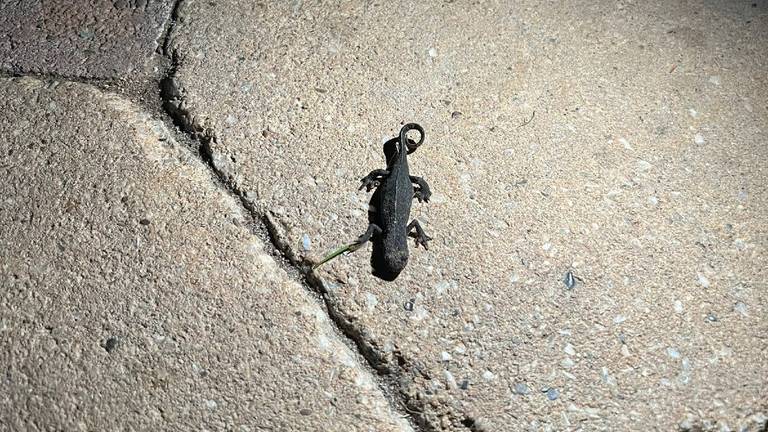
(373, 179)
(422, 192)
(421, 237)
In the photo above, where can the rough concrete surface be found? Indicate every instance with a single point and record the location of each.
(81, 38)
(134, 297)
(597, 265)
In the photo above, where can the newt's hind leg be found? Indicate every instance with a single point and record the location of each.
(421, 237)
(372, 230)
(373, 179)
(422, 192)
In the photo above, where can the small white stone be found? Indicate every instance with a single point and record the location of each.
(678, 306)
(488, 375)
(419, 313)
(371, 300)
(432, 52)
(624, 350)
(449, 379)
(643, 165)
(618, 319)
(625, 143)
(673, 352)
(703, 281)
(567, 363)
(444, 356)
(324, 342)
(740, 308)
(211, 404)
(698, 139)
(714, 79)
(460, 348)
(569, 350)
(443, 286)
(693, 112)
(546, 247)
(652, 200)
(606, 376)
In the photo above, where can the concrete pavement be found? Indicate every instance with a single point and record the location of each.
(600, 233)
(100, 39)
(133, 296)
(641, 174)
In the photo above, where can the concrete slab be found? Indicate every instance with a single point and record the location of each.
(600, 190)
(82, 38)
(133, 296)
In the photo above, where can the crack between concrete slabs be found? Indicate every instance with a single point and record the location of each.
(175, 107)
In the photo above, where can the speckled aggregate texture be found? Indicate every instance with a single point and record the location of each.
(599, 264)
(80, 38)
(133, 297)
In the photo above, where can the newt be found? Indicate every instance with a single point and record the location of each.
(390, 207)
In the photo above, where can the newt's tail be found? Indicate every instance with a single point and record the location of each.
(409, 144)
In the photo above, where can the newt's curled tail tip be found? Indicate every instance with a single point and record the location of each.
(410, 144)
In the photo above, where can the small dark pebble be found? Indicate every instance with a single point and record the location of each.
(305, 411)
(569, 280)
(110, 344)
(456, 115)
(464, 384)
(409, 305)
(144, 221)
(712, 317)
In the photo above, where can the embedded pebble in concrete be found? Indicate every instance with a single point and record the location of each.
(552, 394)
(678, 306)
(569, 280)
(569, 350)
(673, 353)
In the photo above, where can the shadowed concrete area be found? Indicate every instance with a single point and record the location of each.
(134, 297)
(599, 264)
(82, 38)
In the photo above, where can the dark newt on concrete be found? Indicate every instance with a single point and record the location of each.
(390, 208)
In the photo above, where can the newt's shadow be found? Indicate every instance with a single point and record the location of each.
(377, 257)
